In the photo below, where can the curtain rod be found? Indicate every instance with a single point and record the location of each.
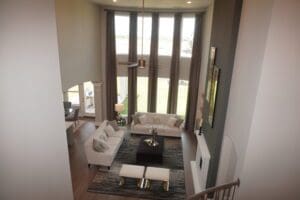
(152, 10)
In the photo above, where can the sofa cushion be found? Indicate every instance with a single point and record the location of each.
(112, 141)
(146, 119)
(136, 119)
(171, 121)
(100, 133)
(103, 124)
(109, 130)
(178, 122)
(100, 145)
(113, 124)
(120, 134)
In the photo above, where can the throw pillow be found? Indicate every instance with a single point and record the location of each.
(100, 145)
(156, 120)
(178, 122)
(114, 124)
(143, 119)
(103, 136)
(136, 119)
(109, 130)
(171, 121)
(146, 119)
(100, 133)
(103, 124)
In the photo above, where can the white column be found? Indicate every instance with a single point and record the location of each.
(81, 99)
(98, 86)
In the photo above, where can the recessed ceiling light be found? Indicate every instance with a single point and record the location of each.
(189, 2)
(114, 1)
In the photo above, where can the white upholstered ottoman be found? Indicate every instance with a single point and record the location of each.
(157, 174)
(132, 171)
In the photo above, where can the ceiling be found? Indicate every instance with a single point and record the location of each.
(156, 4)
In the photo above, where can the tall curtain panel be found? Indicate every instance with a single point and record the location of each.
(153, 64)
(175, 62)
(111, 66)
(132, 72)
(194, 75)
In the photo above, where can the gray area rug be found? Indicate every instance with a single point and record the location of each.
(108, 182)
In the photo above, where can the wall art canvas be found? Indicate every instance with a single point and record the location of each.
(211, 63)
(213, 94)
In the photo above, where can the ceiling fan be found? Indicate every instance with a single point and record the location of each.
(141, 63)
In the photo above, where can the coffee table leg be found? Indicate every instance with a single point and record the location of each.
(122, 181)
(140, 183)
(147, 184)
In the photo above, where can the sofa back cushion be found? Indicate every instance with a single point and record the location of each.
(146, 119)
(110, 132)
(156, 118)
(171, 122)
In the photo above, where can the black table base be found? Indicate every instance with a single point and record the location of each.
(148, 154)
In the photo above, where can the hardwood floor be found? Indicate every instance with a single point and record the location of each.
(82, 175)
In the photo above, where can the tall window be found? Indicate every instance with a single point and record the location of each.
(122, 45)
(166, 28)
(187, 37)
(122, 87)
(162, 95)
(122, 33)
(73, 95)
(142, 93)
(142, 79)
(89, 104)
(165, 44)
(183, 87)
(147, 35)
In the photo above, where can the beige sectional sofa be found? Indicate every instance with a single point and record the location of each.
(105, 158)
(162, 122)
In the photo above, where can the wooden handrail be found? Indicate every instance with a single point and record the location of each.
(221, 192)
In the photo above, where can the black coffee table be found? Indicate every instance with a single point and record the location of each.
(150, 155)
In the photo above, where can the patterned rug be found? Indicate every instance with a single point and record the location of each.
(108, 182)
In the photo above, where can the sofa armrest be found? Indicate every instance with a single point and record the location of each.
(132, 124)
(182, 125)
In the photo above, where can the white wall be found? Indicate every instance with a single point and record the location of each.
(34, 154)
(272, 166)
(265, 129)
(78, 23)
(254, 25)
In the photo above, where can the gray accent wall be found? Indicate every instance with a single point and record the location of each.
(224, 36)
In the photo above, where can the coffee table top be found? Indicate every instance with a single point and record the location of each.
(144, 148)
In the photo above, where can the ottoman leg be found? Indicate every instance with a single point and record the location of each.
(122, 181)
(140, 183)
(147, 184)
(166, 185)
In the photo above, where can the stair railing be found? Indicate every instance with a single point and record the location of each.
(221, 192)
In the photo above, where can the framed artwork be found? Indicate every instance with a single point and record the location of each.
(213, 94)
(211, 63)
